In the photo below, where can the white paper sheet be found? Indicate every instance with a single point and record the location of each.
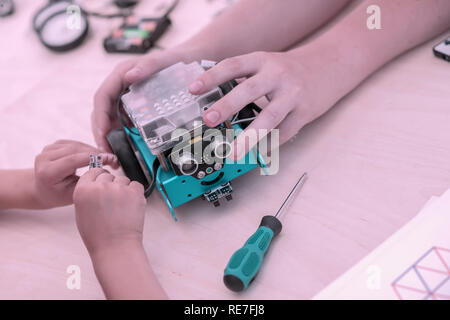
(412, 264)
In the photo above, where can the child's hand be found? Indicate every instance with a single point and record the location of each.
(110, 210)
(297, 86)
(110, 214)
(55, 171)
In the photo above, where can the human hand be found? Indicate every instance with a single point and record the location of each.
(297, 84)
(109, 210)
(104, 116)
(55, 171)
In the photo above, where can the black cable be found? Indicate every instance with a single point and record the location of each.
(171, 8)
(127, 14)
(107, 16)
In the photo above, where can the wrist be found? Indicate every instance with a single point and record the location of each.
(332, 65)
(191, 50)
(32, 194)
(113, 249)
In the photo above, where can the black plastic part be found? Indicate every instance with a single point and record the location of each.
(125, 3)
(272, 223)
(208, 183)
(233, 283)
(440, 54)
(121, 147)
(112, 45)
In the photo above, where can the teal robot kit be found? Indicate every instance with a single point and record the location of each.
(164, 144)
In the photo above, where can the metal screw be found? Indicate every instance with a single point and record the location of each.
(201, 174)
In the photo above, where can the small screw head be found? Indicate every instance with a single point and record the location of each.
(201, 174)
(217, 166)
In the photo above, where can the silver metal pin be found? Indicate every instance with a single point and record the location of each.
(291, 195)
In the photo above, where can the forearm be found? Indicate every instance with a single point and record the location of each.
(125, 273)
(359, 52)
(260, 25)
(17, 189)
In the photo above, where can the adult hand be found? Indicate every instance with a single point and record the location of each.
(298, 88)
(104, 115)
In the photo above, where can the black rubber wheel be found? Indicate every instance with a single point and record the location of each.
(121, 147)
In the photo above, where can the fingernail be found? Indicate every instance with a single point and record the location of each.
(196, 86)
(135, 72)
(212, 117)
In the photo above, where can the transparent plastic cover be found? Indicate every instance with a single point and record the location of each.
(162, 103)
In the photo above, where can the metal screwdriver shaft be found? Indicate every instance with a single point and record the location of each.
(292, 194)
(244, 264)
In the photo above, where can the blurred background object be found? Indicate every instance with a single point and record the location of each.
(6, 7)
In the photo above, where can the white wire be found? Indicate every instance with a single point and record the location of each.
(243, 120)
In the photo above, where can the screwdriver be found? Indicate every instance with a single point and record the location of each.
(244, 264)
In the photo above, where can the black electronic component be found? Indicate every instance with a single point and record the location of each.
(223, 191)
(200, 157)
(125, 3)
(136, 35)
(6, 7)
(442, 50)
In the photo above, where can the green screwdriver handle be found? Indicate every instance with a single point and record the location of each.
(244, 264)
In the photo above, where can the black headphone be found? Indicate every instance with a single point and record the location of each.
(6, 7)
(62, 25)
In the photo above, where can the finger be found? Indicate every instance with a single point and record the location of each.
(137, 186)
(71, 147)
(149, 65)
(228, 69)
(105, 100)
(246, 92)
(109, 159)
(58, 145)
(91, 175)
(74, 147)
(290, 127)
(105, 177)
(52, 147)
(122, 180)
(269, 118)
(68, 165)
(101, 126)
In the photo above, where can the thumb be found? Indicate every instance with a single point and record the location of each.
(110, 159)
